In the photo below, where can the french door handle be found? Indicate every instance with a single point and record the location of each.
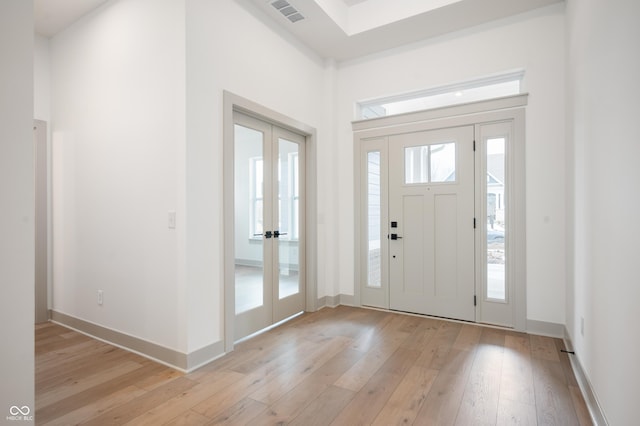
(266, 235)
(276, 234)
(395, 237)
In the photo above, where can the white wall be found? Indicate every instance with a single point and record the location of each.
(534, 42)
(230, 48)
(603, 41)
(136, 133)
(118, 129)
(17, 212)
(41, 79)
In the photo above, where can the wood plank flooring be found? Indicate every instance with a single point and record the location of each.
(342, 366)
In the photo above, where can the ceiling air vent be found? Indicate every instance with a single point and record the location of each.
(288, 11)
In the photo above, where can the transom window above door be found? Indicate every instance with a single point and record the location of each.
(478, 89)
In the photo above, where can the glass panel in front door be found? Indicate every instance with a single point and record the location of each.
(442, 159)
(433, 163)
(249, 213)
(288, 218)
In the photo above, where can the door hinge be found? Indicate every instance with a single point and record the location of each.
(474, 223)
(475, 300)
(474, 145)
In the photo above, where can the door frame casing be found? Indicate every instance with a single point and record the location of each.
(475, 113)
(42, 221)
(233, 102)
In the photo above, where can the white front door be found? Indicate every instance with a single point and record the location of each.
(440, 213)
(431, 222)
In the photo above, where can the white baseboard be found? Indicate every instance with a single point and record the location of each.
(543, 328)
(170, 357)
(327, 301)
(204, 356)
(333, 301)
(595, 410)
(347, 300)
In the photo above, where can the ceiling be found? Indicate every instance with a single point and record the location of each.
(347, 29)
(352, 2)
(337, 29)
(52, 16)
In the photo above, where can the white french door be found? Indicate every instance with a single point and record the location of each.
(269, 223)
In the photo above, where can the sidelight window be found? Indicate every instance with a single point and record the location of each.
(496, 220)
(374, 258)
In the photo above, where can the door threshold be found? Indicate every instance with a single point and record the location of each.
(413, 314)
(264, 330)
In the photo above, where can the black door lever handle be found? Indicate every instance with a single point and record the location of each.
(395, 237)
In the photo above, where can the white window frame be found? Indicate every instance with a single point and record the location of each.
(374, 108)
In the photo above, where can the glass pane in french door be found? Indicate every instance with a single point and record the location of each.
(288, 218)
(249, 216)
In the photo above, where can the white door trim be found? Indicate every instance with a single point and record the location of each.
(476, 113)
(42, 219)
(233, 102)
(445, 112)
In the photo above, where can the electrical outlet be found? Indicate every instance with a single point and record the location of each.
(100, 297)
(582, 326)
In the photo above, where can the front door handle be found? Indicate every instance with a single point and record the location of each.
(276, 234)
(395, 237)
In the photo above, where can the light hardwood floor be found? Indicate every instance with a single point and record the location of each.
(342, 366)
